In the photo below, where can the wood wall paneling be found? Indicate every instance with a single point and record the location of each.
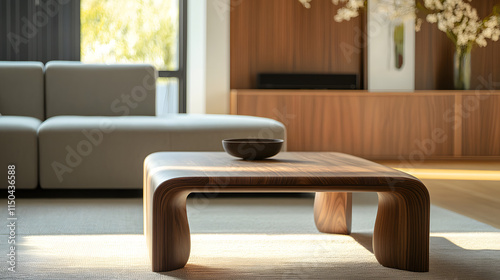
(369, 125)
(481, 125)
(434, 57)
(485, 69)
(283, 36)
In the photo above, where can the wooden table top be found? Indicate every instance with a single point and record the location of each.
(400, 236)
(285, 169)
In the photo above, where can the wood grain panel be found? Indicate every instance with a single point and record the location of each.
(333, 212)
(400, 236)
(481, 125)
(471, 125)
(457, 125)
(283, 36)
(434, 57)
(374, 125)
(485, 70)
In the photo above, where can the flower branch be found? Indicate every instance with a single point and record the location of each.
(457, 18)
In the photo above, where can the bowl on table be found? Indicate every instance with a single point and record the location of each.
(252, 148)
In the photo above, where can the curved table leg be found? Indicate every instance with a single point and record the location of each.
(333, 212)
(400, 238)
(401, 234)
(171, 239)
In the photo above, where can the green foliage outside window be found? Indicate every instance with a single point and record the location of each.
(130, 31)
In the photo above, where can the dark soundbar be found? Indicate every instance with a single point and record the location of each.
(307, 81)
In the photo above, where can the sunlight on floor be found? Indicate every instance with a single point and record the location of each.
(117, 250)
(453, 174)
(471, 240)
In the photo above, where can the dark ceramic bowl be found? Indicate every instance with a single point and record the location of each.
(252, 148)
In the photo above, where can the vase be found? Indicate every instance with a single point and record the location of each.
(399, 45)
(462, 67)
(390, 50)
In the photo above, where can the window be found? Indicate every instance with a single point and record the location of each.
(109, 31)
(140, 31)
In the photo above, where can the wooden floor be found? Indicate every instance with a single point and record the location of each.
(471, 188)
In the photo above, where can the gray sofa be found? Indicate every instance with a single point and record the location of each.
(101, 125)
(21, 106)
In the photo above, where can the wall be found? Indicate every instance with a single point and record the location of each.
(283, 36)
(434, 57)
(217, 82)
(413, 126)
(196, 57)
(39, 30)
(208, 56)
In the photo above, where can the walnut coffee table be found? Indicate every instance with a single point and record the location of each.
(400, 237)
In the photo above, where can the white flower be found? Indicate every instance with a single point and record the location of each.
(457, 18)
(487, 32)
(481, 41)
(396, 9)
(431, 18)
(418, 24)
(495, 36)
(460, 20)
(306, 3)
(350, 10)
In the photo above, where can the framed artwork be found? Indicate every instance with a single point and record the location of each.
(391, 50)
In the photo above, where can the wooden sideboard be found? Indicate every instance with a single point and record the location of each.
(382, 125)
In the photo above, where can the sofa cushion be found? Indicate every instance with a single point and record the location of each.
(108, 152)
(21, 89)
(74, 88)
(19, 147)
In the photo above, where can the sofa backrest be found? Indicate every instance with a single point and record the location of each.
(21, 89)
(75, 88)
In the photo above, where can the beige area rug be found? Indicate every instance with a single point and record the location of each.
(232, 238)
